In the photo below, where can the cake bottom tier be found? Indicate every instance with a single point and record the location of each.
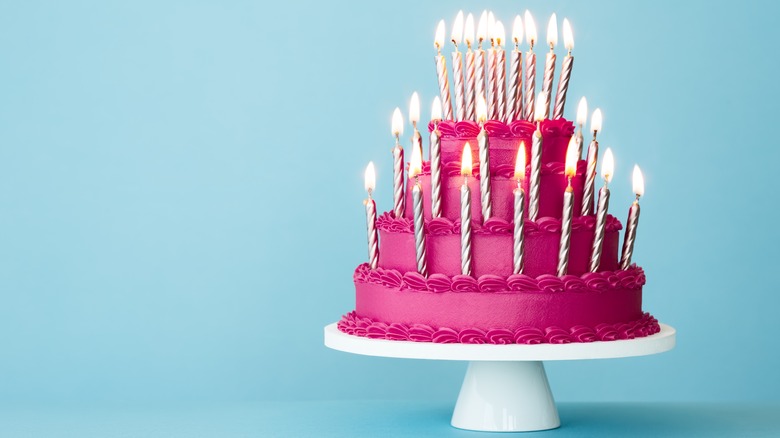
(519, 309)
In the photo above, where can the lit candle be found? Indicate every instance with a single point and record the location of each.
(500, 72)
(492, 77)
(479, 63)
(414, 117)
(514, 105)
(549, 66)
(484, 162)
(441, 71)
(465, 212)
(633, 219)
(517, 247)
(568, 62)
(457, 68)
(530, 68)
(415, 167)
(536, 161)
(582, 118)
(373, 240)
(398, 165)
(568, 209)
(607, 169)
(593, 155)
(468, 36)
(435, 151)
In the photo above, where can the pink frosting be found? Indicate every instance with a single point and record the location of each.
(492, 245)
(510, 302)
(353, 324)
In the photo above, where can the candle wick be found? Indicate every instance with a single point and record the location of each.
(569, 52)
(595, 132)
(369, 194)
(455, 43)
(532, 46)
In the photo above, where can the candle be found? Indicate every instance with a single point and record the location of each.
(398, 165)
(415, 167)
(468, 36)
(568, 62)
(484, 162)
(530, 68)
(500, 72)
(517, 246)
(457, 68)
(633, 219)
(414, 117)
(373, 240)
(491, 68)
(607, 169)
(479, 63)
(536, 161)
(514, 104)
(568, 208)
(441, 71)
(549, 65)
(593, 155)
(582, 117)
(435, 151)
(465, 212)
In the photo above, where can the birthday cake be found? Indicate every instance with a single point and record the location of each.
(501, 237)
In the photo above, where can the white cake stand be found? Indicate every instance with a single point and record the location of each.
(505, 388)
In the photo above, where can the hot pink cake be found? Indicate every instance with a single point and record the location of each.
(493, 304)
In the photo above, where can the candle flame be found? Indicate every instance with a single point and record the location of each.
(639, 181)
(468, 31)
(596, 121)
(482, 27)
(370, 177)
(491, 26)
(530, 29)
(499, 34)
(608, 165)
(571, 157)
(582, 112)
(438, 40)
(436, 109)
(568, 37)
(540, 106)
(457, 29)
(552, 31)
(520, 162)
(414, 108)
(481, 110)
(465, 161)
(517, 30)
(415, 164)
(398, 123)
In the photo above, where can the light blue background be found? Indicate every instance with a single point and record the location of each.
(181, 186)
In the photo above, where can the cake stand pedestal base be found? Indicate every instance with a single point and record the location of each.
(505, 396)
(505, 388)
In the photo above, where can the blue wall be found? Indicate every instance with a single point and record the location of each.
(181, 186)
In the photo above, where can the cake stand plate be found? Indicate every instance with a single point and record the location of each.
(506, 387)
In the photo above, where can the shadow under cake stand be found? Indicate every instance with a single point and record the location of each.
(506, 387)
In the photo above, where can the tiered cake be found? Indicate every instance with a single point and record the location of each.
(494, 299)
